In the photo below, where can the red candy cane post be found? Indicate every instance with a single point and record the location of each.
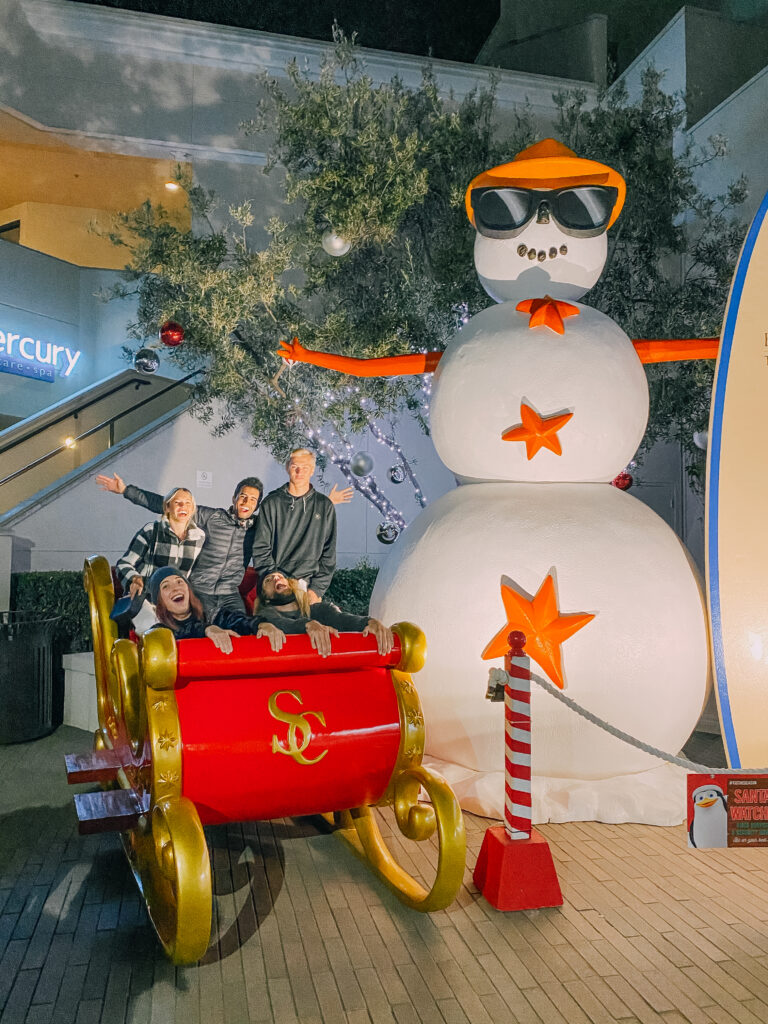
(517, 739)
(517, 875)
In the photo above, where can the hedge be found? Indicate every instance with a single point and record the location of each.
(62, 594)
(351, 589)
(56, 593)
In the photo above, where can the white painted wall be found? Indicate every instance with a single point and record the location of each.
(666, 53)
(144, 84)
(743, 120)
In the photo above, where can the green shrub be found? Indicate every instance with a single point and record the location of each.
(56, 593)
(62, 594)
(351, 589)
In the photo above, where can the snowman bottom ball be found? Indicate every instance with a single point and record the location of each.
(640, 664)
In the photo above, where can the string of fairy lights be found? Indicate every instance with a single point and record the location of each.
(393, 522)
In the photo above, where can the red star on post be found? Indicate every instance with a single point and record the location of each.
(544, 627)
(547, 312)
(537, 431)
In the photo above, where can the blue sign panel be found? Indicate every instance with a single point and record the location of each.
(30, 357)
(26, 368)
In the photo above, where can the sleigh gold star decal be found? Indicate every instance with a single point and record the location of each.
(544, 627)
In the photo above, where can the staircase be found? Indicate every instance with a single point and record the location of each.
(48, 451)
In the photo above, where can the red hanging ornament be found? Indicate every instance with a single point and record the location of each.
(171, 334)
(623, 481)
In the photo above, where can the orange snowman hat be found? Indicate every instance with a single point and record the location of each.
(549, 164)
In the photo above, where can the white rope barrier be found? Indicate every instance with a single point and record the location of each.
(691, 766)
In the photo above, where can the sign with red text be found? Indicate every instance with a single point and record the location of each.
(726, 810)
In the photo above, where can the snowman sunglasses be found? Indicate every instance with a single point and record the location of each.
(582, 211)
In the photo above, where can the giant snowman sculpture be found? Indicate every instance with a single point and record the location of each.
(538, 403)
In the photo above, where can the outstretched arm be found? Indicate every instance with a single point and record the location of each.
(672, 350)
(387, 366)
(650, 350)
(116, 485)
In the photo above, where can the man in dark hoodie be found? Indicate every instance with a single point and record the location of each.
(296, 529)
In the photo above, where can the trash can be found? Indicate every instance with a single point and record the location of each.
(27, 675)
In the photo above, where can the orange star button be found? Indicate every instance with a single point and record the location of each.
(544, 627)
(547, 312)
(537, 431)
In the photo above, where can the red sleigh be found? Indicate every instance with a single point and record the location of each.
(190, 736)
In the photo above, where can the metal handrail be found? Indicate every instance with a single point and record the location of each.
(99, 426)
(75, 412)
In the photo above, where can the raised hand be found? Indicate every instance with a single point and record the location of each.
(342, 497)
(115, 484)
(136, 586)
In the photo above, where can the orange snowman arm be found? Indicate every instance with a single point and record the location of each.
(387, 366)
(672, 350)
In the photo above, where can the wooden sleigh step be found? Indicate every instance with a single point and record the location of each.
(98, 766)
(112, 810)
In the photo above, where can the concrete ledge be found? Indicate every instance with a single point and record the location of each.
(80, 692)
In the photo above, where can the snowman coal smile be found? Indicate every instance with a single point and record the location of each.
(541, 254)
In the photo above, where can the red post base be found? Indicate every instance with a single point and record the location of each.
(517, 874)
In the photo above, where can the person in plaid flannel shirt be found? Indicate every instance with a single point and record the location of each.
(173, 540)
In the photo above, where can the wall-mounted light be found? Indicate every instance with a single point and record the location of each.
(172, 186)
(70, 442)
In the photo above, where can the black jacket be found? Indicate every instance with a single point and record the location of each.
(192, 628)
(322, 611)
(297, 536)
(218, 570)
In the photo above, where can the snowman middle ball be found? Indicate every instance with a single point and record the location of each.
(497, 362)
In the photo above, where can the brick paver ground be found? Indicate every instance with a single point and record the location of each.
(649, 932)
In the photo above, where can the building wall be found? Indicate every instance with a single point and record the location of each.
(56, 303)
(742, 119)
(138, 83)
(667, 54)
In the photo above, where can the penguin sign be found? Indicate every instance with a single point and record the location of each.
(708, 817)
(727, 810)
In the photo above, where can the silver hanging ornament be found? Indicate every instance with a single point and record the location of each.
(387, 532)
(146, 360)
(701, 439)
(396, 474)
(334, 244)
(361, 463)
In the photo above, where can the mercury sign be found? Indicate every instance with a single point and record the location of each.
(31, 357)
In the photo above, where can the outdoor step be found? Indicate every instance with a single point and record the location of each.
(97, 766)
(114, 810)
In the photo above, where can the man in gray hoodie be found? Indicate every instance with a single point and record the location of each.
(296, 529)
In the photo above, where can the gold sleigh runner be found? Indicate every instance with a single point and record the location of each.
(189, 736)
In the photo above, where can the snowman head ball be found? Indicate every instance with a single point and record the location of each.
(541, 222)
